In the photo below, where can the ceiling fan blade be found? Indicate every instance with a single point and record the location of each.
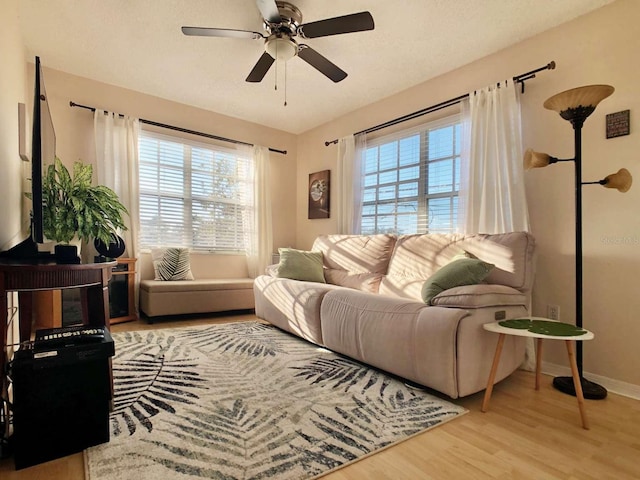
(261, 68)
(320, 63)
(269, 10)
(221, 32)
(356, 22)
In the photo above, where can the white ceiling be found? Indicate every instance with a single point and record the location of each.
(137, 44)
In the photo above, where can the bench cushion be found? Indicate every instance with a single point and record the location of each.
(158, 298)
(157, 286)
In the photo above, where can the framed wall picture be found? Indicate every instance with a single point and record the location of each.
(618, 124)
(319, 194)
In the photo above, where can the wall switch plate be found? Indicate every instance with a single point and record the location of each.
(553, 312)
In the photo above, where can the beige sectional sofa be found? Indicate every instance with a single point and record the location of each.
(372, 309)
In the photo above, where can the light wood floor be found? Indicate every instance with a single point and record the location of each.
(525, 435)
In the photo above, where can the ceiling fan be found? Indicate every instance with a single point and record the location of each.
(283, 22)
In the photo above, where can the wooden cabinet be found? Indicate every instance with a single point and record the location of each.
(122, 302)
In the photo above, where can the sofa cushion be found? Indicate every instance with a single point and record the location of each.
(416, 257)
(291, 305)
(398, 335)
(300, 265)
(355, 261)
(463, 271)
(511, 253)
(479, 296)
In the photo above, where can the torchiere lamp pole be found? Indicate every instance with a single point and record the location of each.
(575, 106)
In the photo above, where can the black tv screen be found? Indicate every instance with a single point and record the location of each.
(43, 151)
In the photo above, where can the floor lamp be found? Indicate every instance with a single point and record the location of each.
(575, 106)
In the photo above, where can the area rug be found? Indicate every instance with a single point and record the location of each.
(248, 401)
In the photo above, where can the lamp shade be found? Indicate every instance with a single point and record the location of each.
(621, 180)
(587, 96)
(535, 159)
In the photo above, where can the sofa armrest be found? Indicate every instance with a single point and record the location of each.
(479, 296)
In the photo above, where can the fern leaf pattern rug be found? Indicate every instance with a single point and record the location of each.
(248, 401)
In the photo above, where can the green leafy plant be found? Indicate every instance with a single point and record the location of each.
(72, 206)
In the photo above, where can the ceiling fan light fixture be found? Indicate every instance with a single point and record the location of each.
(282, 22)
(281, 48)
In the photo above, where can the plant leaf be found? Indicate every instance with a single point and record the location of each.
(73, 206)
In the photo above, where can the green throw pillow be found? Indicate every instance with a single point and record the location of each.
(464, 271)
(300, 265)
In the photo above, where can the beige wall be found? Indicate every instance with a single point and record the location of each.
(601, 47)
(13, 226)
(74, 137)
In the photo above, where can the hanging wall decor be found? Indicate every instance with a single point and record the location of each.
(618, 124)
(319, 194)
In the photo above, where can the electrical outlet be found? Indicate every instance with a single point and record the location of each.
(553, 312)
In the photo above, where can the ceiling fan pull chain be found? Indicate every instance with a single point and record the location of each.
(285, 84)
(276, 62)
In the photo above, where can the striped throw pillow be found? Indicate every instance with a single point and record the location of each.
(172, 264)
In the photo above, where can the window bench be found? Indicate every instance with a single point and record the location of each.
(158, 298)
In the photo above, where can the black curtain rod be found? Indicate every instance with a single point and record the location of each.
(185, 130)
(439, 106)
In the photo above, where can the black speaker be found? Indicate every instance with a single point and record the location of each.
(59, 407)
(119, 295)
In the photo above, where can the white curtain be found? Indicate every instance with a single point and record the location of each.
(117, 167)
(492, 196)
(349, 188)
(261, 238)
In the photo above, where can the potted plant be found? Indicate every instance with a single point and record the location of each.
(75, 208)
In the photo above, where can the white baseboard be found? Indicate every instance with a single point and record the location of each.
(613, 386)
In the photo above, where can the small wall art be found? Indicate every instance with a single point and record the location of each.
(319, 206)
(618, 124)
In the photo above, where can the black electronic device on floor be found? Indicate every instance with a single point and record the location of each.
(62, 394)
(73, 336)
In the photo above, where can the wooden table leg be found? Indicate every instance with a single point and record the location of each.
(95, 305)
(576, 383)
(25, 304)
(538, 361)
(95, 312)
(492, 375)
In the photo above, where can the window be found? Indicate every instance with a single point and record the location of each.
(411, 180)
(194, 195)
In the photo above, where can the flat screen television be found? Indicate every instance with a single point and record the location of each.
(43, 152)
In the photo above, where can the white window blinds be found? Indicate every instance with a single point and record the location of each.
(411, 180)
(193, 194)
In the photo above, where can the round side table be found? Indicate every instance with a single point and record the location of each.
(569, 339)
